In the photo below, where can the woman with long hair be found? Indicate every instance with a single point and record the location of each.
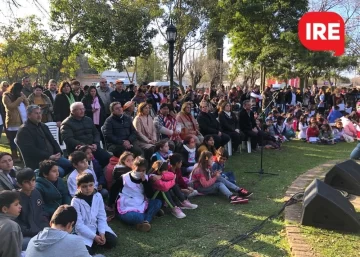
(229, 123)
(156, 99)
(144, 125)
(62, 102)
(15, 103)
(42, 100)
(189, 125)
(94, 107)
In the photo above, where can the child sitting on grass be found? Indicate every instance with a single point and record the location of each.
(207, 145)
(338, 131)
(162, 151)
(207, 182)
(164, 181)
(326, 135)
(51, 187)
(134, 205)
(32, 218)
(188, 152)
(10, 231)
(58, 240)
(312, 133)
(91, 222)
(79, 161)
(219, 164)
(175, 167)
(96, 168)
(114, 160)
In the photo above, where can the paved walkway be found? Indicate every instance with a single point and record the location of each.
(298, 245)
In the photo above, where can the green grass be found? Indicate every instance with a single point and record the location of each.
(216, 222)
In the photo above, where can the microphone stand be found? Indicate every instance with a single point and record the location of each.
(261, 171)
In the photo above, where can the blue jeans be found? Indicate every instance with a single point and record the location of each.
(133, 218)
(221, 185)
(355, 154)
(65, 166)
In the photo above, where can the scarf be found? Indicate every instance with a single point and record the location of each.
(96, 114)
(170, 123)
(70, 99)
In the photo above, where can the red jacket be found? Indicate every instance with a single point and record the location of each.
(179, 178)
(312, 132)
(202, 178)
(166, 182)
(109, 170)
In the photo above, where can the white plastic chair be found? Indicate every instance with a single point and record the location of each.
(229, 147)
(54, 130)
(247, 144)
(22, 156)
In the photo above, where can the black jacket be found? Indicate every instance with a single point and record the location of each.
(32, 143)
(121, 97)
(117, 129)
(32, 217)
(246, 123)
(48, 93)
(228, 124)
(288, 97)
(87, 101)
(79, 132)
(61, 107)
(208, 124)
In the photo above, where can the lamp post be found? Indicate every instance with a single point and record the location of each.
(171, 38)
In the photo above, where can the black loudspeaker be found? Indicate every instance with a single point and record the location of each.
(325, 207)
(345, 176)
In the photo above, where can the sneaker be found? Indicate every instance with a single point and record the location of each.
(244, 193)
(143, 227)
(187, 205)
(177, 212)
(238, 200)
(193, 193)
(160, 213)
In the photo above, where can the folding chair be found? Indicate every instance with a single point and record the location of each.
(54, 130)
(22, 156)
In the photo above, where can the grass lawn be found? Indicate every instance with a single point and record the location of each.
(216, 222)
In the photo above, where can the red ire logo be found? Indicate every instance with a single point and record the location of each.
(322, 31)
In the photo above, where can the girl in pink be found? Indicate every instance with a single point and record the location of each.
(164, 181)
(207, 182)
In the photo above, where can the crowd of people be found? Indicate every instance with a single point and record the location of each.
(132, 154)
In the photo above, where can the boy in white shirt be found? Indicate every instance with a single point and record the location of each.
(91, 222)
(80, 163)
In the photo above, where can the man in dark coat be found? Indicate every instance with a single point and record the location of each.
(78, 129)
(210, 126)
(247, 124)
(119, 132)
(37, 143)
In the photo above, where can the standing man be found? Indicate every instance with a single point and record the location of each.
(119, 95)
(104, 92)
(76, 90)
(52, 90)
(27, 88)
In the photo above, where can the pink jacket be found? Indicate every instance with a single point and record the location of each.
(166, 182)
(349, 128)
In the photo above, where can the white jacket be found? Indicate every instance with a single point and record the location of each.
(90, 219)
(71, 181)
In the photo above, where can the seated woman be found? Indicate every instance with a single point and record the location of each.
(167, 127)
(189, 125)
(230, 125)
(7, 172)
(145, 128)
(42, 100)
(133, 205)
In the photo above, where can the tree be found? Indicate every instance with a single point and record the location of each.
(196, 69)
(260, 30)
(150, 69)
(215, 71)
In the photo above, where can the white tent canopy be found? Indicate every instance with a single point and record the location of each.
(166, 84)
